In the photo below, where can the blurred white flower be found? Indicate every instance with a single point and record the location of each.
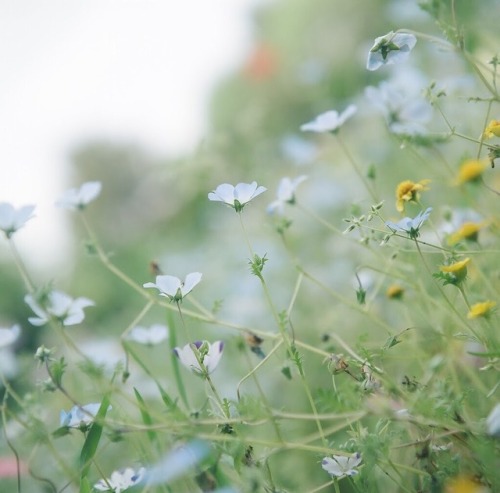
(9, 335)
(493, 422)
(236, 196)
(12, 219)
(121, 480)
(59, 305)
(148, 335)
(298, 150)
(208, 354)
(9, 366)
(78, 198)
(389, 49)
(172, 287)
(285, 194)
(80, 416)
(330, 121)
(409, 225)
(405, 111)
(341, 465)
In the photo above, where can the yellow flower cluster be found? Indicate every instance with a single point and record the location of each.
(469, 231)
(492, 129)
(482, 309)
(470, 171)
(408, 191)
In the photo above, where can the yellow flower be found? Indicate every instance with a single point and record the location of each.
(468, 231)
(408, 191)
(492, 130)
(395, 291)
(463, 484)
(470, 170)
(458, 270)
(482, 309)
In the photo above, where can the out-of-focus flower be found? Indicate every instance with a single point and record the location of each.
(79, 198)
(9, 335)
(469, 231)
(209, 354)
(59, 305)
(464, 484)
(395, 291)
(173, 288)
(492, 129)
(408, 191)
(262, 63)
(405, 111)
(12, 219)
(470, 171)
(121, 480)
(148, 335)
(80, 416)
(236, 196)
(390, 49)
(493, 422)
(410, 226)
(285, 194)
(482, 309)
(330, 121)
(9, 467)
(341, 465)
(298, 150)
(457, 271)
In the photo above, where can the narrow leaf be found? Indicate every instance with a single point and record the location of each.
(146, 417)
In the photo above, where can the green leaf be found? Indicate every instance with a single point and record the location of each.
(85, 486)
(146, 417)
(93, 437)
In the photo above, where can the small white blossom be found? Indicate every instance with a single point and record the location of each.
(285, 194)
(209, 354)
(12, 219)
(390, 49)
(59, 305)
(121, 480)
(236, 196)
(172, 287)
(78, 198)
(341, 465)
(493, 422)
(409, 225)
(148, 335)
(9, 335)
(80, 416)
(330, 121)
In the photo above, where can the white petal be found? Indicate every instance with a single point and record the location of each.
(187, 357)
(9, 335)
(223, 193)
(213, 356)
(244, 192)
(89, 191)
(191, 281)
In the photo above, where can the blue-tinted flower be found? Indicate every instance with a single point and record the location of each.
(172, 287)
(78, 198)
(148, 335)
(80, 416)
(121, 480)
(236, 196)
(9, 335)
(330, 121)
(410, 226)
(209, 354)
(58, 305)
(389, 49)
(285, 193)
(12, 219)
(493, 422)
(341, 465)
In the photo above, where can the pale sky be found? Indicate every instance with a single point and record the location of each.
(129, 70)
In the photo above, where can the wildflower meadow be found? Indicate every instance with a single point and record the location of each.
(307, 303)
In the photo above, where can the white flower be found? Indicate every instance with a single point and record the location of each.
(78, 198)
(493, 422)
(410, 226)
(404, 110)
(121, 480)
(285, 194)
(172, 287)
(148, 335)
(236, 196)
(389, 49)
(330, 121)
(80, 416)
(209, 355)
(59, 305)
(12, 219)
(9, 335)
(341, 465)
